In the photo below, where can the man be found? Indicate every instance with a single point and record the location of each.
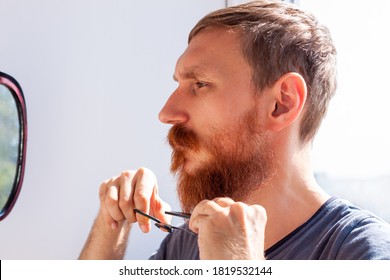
(253, 86)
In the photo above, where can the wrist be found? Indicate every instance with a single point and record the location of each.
(104, 242)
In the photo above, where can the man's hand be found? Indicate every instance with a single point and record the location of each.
(229, 230)
(119, 196)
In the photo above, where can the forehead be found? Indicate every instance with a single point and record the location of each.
(214, 50)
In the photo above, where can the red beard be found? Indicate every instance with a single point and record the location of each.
(241, 161)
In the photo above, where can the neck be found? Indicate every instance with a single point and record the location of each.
(291, 197)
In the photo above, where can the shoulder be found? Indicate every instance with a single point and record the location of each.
(359, 233)
(338, 230)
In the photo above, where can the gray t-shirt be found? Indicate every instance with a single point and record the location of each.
(338, 230)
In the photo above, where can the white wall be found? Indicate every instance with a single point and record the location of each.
(95, 75)
(352, 152)
(358, 121)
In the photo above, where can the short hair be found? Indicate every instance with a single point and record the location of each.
(278, 38)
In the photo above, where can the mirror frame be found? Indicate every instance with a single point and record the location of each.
(17, 93)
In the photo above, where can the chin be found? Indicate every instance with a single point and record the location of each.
(189, 167)
(192, 165)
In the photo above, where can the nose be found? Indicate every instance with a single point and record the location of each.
(173, 111)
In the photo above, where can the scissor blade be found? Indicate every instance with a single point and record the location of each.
(146, 215)
(178, 214)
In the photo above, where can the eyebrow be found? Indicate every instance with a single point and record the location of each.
(190, 73)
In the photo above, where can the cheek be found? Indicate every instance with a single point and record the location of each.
(220, 105)
(216, 141)
(216, 117)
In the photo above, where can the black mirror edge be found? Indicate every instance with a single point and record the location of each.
(17, 92)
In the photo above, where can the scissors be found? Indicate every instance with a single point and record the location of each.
(168, 227)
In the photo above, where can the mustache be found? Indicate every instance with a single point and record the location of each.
(181, 138)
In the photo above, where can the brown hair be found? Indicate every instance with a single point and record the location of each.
(278, 38)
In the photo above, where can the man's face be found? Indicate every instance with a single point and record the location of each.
(219, 147)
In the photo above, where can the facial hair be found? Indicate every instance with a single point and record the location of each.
(241, 162)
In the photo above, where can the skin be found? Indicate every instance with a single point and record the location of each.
(212, 94)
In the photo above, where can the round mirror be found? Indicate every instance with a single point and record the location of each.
(13, 135)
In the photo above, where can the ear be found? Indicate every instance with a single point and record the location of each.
(288, 97)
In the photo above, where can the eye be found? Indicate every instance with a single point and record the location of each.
(201, 84)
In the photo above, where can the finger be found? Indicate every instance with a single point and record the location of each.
(103, 190)
(126, 203)
(239, 212)
(211, 207)
(108, 219)
(158, 207)
(111, 202)
(245, 216)
(199, 209)
(259, 212)
(206, 209)
(224, 201)
(145, 182)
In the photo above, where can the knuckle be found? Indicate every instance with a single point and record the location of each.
(103, 185)
(222, 199)
(238, 211)
(102, 191)
(239, 207)
(111, 202)
(205, 203)
(123, 204)
(260, 211)
(140, 197)
(144, 171)
(104, 188)
(128, 173)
